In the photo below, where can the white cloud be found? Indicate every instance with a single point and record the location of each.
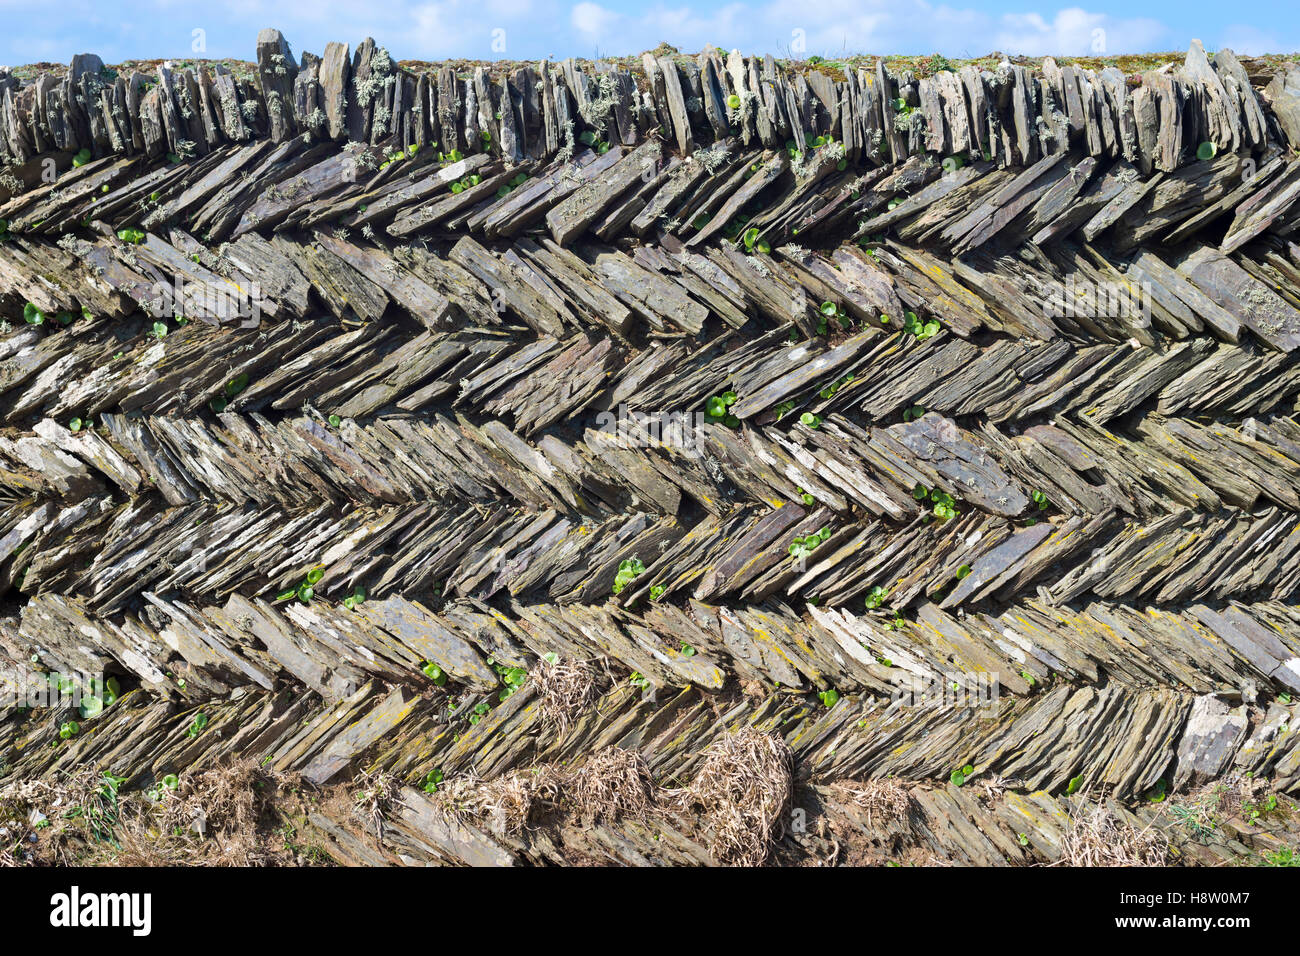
(1076, 32)
(592, 20)
(1251, 41)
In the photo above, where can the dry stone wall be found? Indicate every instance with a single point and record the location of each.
(939, 429)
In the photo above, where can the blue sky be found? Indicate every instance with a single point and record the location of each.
(533, 29)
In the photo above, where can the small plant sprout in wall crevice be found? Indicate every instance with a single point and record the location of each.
(943, 505)
(718, 409)
(627, 572)
(922, 330)
(800, 548)
(305, 591)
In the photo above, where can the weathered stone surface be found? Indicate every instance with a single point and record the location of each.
(1212, 735)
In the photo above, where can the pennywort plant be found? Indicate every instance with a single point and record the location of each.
(434, 673)
(468, 182)
(356, 598)
(511, 677)
(588, 138)
(432, 779)
(169, 782)
(750, 237)
(832, 311)
(922, 330)
(944, 505)
(232, 388)
(627, 571)
(98, 695)
(800, 548)
(830, 390)
(505, 189)
(398, 156)
(305, 591)
(718, 408)
(1041, 502)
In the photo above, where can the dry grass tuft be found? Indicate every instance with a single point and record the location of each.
(610, 784)
(565, 689)
(223, 816)
(1096, 837)
(373, 798)
(510, 803)
(745, 787)
(882, 801)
